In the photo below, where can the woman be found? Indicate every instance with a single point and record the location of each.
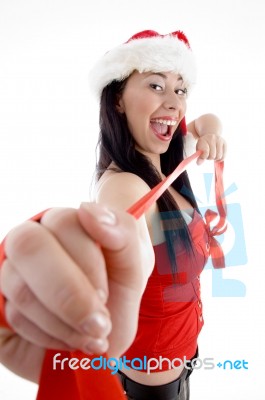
(142, 141)
(143, 85)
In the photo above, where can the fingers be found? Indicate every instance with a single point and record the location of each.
(53, 273)
(29, 331)
(118, 236)
(123, 250)
(33, 334)
(64, 225)
(223, 151)
(213, 147)
(21, 357)
(23, 311)
(56, 281)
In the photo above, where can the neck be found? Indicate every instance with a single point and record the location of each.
(155, 160)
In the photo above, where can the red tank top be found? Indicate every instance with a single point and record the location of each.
(170, 316)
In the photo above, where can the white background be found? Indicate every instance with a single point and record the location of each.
(49, 128)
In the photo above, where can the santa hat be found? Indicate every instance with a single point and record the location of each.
(146, 51)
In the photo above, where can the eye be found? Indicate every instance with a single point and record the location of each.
(156, 87)
(181, 92)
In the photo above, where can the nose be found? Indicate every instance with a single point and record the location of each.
(175, 102)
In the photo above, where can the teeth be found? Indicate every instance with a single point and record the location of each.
(165, 122)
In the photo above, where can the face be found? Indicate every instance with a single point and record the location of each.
(154, 104)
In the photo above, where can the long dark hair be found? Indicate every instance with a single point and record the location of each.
(116, 144)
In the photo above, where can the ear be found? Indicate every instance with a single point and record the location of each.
(120, 105)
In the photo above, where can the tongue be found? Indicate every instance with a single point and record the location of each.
(159, 128)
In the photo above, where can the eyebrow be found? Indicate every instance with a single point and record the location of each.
(164, 76)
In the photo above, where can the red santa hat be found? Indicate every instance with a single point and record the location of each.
(146, 51)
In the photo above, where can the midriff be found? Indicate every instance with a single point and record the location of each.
(155, 378)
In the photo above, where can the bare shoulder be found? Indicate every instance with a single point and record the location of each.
(120, 189)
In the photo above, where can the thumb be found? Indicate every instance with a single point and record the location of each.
(117, 234)
(111, 229)
(202, 146)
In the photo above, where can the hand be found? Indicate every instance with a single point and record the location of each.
(69, 278)
(213, 147)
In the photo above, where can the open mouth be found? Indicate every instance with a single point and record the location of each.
(163, 129)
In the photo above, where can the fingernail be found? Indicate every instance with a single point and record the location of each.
(97, 324)
(96, 346)
(103, 214)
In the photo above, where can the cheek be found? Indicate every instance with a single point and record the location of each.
(137, 113)
(184, 107)
(137, 109)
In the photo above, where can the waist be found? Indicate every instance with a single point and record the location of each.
(158, 389)
(172, 336)
(166, 364)
(155, 378)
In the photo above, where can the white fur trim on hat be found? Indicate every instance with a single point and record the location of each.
(154, 54)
